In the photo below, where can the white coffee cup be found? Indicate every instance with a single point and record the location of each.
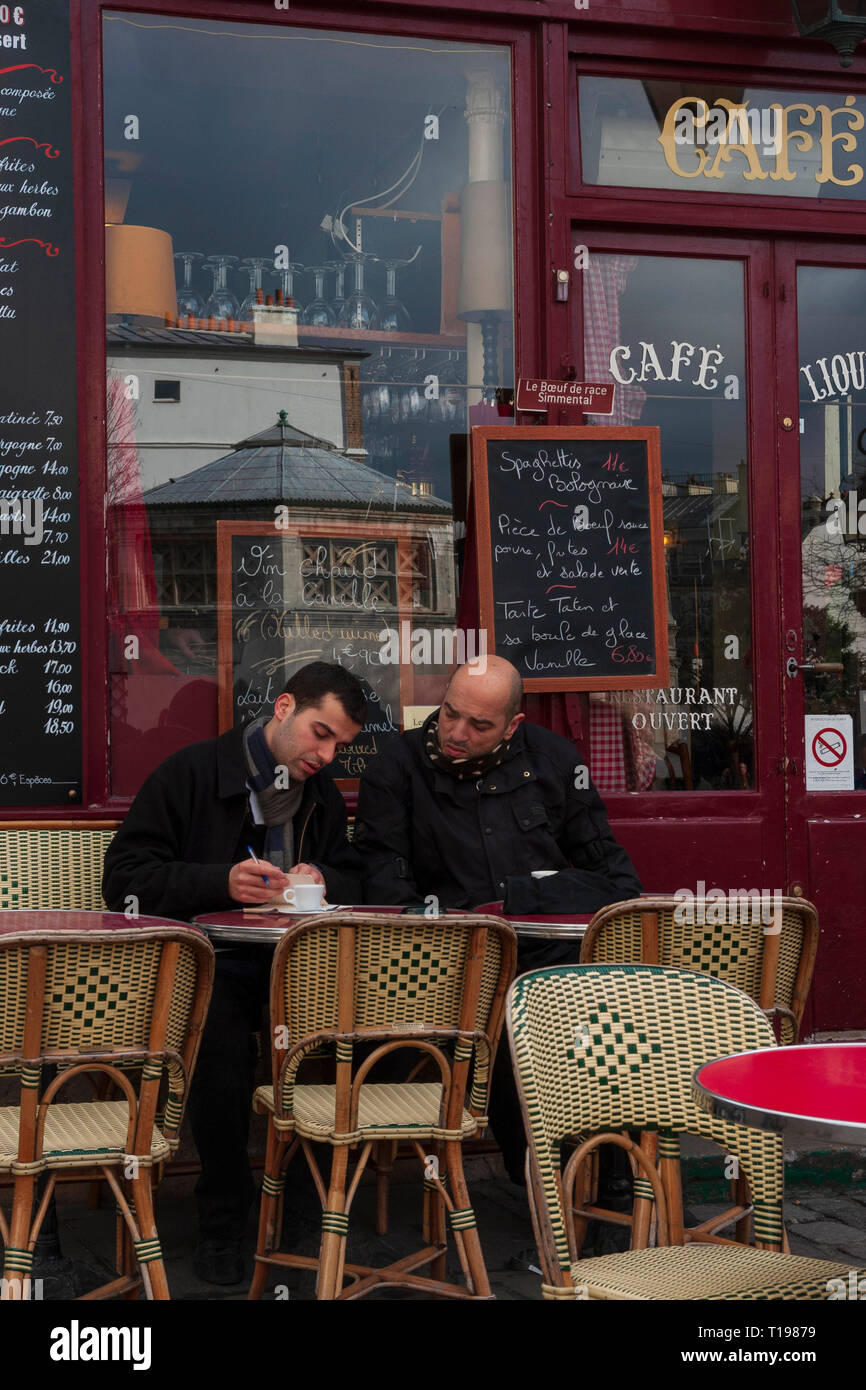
(306, 897)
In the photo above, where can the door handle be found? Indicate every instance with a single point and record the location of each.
(793, 667)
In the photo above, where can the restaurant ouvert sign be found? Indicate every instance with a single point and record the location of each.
(699, 140)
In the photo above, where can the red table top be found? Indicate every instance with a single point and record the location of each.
(824, 1081)
(51, 919)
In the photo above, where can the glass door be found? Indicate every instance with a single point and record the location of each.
(682, 328)
(821, 340)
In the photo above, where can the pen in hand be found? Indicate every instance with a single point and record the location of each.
(256, 860)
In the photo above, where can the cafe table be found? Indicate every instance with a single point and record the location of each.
(815, 1091)
(251, 926)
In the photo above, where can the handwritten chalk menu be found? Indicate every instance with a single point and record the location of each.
(40, 621)
(571, 555)
(320, 591)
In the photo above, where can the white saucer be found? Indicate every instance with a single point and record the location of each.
(307, 911)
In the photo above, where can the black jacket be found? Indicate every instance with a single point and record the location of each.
(183, 832)
(421, 832)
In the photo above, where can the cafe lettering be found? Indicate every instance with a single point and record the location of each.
(691, 122)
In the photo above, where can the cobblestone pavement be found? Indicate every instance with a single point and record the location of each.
(826, 1220)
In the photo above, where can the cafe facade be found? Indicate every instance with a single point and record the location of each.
(268, 265)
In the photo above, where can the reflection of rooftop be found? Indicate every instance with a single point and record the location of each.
(282, 464)
(138, 335)
(695, 511)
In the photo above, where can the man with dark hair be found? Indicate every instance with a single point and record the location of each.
(184, 849)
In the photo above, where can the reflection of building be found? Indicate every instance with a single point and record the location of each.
(285, 467)
(193, 393)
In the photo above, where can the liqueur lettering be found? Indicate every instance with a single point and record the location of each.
(699, 140)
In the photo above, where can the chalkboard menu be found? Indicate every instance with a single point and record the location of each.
(315, 591)
(571, 555)
(40, 620)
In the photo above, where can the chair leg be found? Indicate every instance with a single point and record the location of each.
(741, 1195)
(333, 1247)
(586, 1194)
(643, 1211)
(270, 1210)
(433, 1227)
(20, 1222)
(385, 1152)
(465, 1224)
(671, 1175)
(142, 1192)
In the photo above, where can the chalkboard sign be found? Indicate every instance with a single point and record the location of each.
(571, 555)
(40, 621)
(315, 591)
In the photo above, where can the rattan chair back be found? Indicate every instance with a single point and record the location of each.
(769, 955)
(46, 864)
(355, 978)
(613, 1047)
(71, 992)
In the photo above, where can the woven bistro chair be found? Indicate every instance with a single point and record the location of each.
(772, 961)
(53, 864)
(602, 1048)
(432, 986)
(90, 993)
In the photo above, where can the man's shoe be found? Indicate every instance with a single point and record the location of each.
(525, 1261)
(219, 1261)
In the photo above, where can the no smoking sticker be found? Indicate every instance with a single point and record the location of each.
(829, 752)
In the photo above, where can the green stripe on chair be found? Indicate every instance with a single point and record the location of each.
(147, 1250)
(335, 1223)
(462, 1220)
(272, 1186)
(19, 1261)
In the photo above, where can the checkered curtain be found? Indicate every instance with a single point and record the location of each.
(620, 761)
(604, 282)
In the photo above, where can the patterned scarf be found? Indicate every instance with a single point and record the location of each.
(278, 805)
(461, 768)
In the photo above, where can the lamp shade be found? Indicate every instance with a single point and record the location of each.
(139, 272)
(485, 266)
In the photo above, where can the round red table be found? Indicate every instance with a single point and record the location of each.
(816, 1090)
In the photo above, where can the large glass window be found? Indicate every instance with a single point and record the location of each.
(309, 303)
(677, 360)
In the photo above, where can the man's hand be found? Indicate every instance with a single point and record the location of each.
(247, 885)
(308, 869)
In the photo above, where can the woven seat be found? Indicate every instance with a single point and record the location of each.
(390, 1111)
(603, 1049)
(696, 1272)
(92, 1132)
(771, 960)
(370, 986)
(91, 994)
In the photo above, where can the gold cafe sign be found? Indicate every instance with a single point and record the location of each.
(702, 141)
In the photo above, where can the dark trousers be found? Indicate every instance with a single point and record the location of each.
(220, 1101)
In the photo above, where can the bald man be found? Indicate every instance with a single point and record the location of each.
(468, 806)
(465, 808)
